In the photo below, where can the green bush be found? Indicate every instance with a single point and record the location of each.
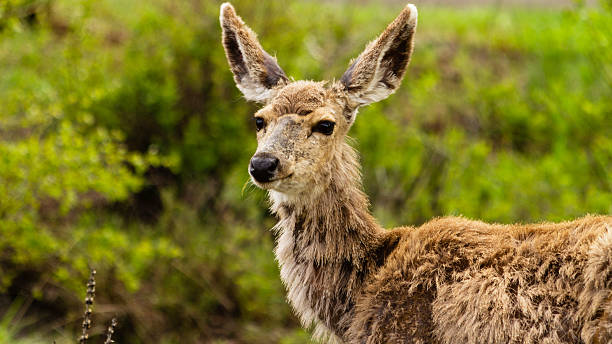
(124, 145)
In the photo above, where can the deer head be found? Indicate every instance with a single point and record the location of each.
(302, 125)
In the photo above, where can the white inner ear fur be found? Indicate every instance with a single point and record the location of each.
(377, 90)
(254, 91)
(251, 88)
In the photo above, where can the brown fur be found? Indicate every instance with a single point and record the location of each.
(452, 280)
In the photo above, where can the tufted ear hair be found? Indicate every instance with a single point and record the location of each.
(379, 69)
(256, 72)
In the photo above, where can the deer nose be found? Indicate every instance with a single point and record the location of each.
(263, 167)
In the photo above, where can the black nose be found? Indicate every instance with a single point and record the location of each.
(263, 167)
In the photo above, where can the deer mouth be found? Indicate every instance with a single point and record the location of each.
(282, 178)
(270, 184)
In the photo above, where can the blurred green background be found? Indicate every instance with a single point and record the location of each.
(124, 145)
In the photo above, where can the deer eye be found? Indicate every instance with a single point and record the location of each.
(324, 127)
(259, 123)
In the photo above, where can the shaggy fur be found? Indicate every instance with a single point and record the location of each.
(452, 280)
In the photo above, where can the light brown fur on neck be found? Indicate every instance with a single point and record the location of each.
(328, 247)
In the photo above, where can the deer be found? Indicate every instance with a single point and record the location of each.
(450, 280)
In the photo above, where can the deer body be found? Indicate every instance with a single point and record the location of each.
(452, 280)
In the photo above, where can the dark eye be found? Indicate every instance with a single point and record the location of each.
(324, 127)
(259, 123)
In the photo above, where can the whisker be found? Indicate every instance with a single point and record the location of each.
(247, 187)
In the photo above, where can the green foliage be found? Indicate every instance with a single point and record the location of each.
(9, 327)
(509, 120)
(124, 145)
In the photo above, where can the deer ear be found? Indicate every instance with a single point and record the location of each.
(379, 69)
(256, 72)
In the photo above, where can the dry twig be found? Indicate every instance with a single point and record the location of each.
(89, 299)
(110, 331)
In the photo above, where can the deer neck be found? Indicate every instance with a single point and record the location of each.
(328, 245)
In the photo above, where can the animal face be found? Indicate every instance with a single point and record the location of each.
(302, 126)
(298, 133)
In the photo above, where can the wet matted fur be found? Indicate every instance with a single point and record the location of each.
(451, 280)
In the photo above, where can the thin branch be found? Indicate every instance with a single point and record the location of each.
(110, 331)
(89, 299)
